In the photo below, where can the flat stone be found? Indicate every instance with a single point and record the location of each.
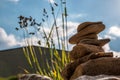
(92, 29)
(88, 36)
(103, 65)
(85, 24)
(100, 42)
(81, 50)
(101, 54)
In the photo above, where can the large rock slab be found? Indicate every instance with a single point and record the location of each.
(103, 65)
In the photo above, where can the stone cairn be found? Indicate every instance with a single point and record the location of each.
(88, 47)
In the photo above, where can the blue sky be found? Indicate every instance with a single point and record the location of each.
(79, 11)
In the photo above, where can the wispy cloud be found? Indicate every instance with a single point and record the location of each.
(81, 15)
(15, 1)
(52, 1)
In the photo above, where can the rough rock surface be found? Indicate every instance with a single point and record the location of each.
(88, 36)
(33, 77)
(98, 77)
(81, 50)
(70, 68)
(85, 24)
(100, 42)
(88, 56)
(98, 66)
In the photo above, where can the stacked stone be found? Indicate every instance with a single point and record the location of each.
(86, 40)
(87, 47)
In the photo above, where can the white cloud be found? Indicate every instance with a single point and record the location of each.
(14, 1)
(113, 33)
(7, 41)
(114, 30)
(108, 49)
(109, 36)
(71, 26)
(52, 1)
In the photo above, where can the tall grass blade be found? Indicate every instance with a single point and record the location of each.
(26, 53)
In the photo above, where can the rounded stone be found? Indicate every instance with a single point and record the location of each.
(88, 36)
(92, 29)
(85, 24)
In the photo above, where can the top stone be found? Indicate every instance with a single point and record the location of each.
(85, 24)
(85, 29)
